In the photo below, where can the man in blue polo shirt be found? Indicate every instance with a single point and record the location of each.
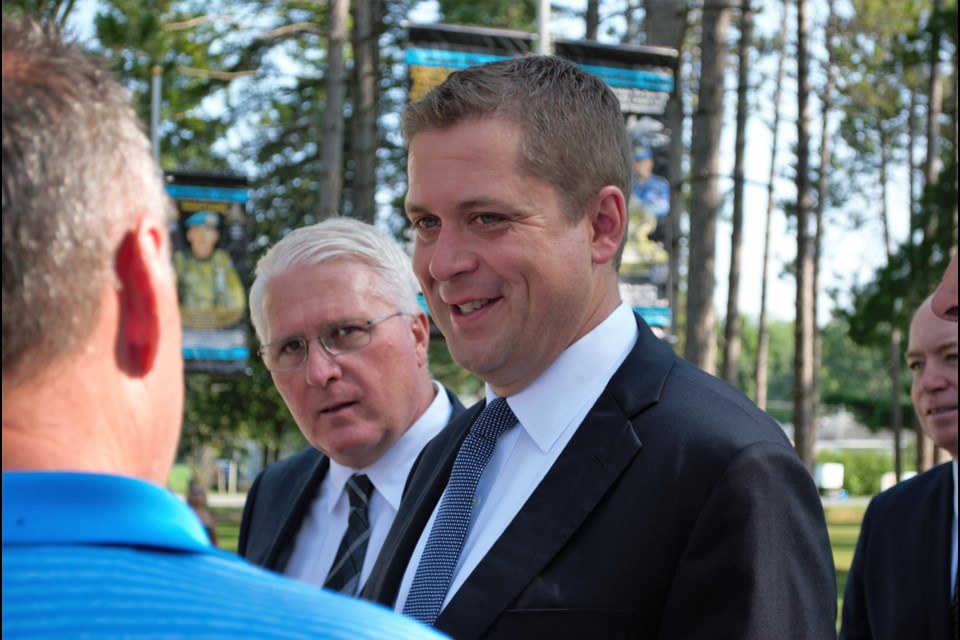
(93, 546)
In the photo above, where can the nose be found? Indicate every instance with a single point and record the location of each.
(450, 255)
(321, 367)
(933, 377)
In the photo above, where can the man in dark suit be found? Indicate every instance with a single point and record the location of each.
(905, 566)
(622, 492)
(345, 339)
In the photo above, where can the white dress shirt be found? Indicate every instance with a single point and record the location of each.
(549, 411)
(325, 522)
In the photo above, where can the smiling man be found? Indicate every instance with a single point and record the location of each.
(606, 488)
(904, 569)
(335, 307)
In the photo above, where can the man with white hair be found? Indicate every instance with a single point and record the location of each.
(335, 307)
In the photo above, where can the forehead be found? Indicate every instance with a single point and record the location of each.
(309, 297)
(929, 333)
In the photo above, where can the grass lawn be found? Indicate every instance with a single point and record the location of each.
(843, 524)
(228, 526)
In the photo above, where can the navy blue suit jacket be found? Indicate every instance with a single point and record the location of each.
(899, 581)
(278, 502)
(677, 510)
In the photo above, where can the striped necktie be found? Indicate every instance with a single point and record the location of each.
(344, 576)
(445, 542)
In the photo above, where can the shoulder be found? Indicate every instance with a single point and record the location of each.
(226, 596)
(289, 608)
(919, 493)
(293, 465)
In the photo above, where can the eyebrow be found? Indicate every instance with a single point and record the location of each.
(940, 347)
(467, 205)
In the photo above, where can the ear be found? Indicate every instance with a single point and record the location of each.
(608, 221)
(137, 266)
(421, 333)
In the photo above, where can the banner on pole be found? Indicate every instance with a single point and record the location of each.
(209, 236)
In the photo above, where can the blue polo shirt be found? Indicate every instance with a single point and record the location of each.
(88, 555)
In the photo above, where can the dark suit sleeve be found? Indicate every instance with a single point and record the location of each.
(855, 623)
(758, 562)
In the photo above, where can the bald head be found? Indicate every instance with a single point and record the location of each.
(932, 358)
(944, 299)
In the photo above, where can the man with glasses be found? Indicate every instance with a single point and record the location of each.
(335, 307)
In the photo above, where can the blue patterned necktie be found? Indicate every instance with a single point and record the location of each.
(344, 575)
(445, 542)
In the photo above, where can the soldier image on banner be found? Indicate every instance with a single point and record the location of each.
(211, 292)
(644, 254)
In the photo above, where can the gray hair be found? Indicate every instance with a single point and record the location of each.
(337, 238)
(77, 172)
(574, 134)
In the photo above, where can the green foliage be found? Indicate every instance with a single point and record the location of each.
(504, 14)
(179, 478)
(863, 469)
(881, 70)
(779, 364)
(44, 11)
(857, 377)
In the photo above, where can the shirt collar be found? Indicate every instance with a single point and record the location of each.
(545, 406)
(389, 473)
(84, 508)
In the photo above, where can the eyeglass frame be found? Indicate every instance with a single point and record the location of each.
(368, 330)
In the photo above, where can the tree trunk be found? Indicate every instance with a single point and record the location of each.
(823, 179)
(367, 18)
(330, 183)
(925, 447)
(705, 196)
(896, 338)
(592, 19)
(731, 343)
(665, 26)
(763, 336)
(804, 420)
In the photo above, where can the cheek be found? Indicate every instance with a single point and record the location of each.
(421, 262)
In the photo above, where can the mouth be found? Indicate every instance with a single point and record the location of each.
(337, 407)
(936, 411)
(472, 307)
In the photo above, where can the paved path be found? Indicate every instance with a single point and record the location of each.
(226, 499)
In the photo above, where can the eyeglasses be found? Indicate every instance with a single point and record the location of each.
(344, 337)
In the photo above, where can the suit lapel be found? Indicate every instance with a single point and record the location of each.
(599, 452)
(425, 487)
(302, 490)
(595, 457)
(936, 561)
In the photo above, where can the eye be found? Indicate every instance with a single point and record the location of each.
(344, 330)
(291, 347)
(915, 365)
(489, 218)
(426, 223)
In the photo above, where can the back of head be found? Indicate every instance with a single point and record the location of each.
(76, 166)
(337, 239)
(574, 134)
